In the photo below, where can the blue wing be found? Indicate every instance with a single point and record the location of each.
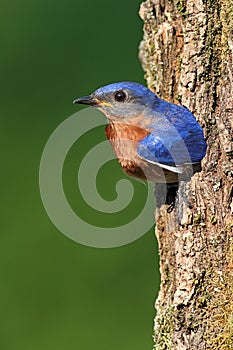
(176, 137)
(166, 150)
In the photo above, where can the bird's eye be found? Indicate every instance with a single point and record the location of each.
(120, 96)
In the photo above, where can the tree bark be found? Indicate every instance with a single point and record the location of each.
(187, 54)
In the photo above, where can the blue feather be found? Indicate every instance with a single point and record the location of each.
(187, 149)
(176, 137)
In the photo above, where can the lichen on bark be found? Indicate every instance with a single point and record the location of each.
(187, 54)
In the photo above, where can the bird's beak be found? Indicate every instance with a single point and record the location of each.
(87, 100)
(91, 101)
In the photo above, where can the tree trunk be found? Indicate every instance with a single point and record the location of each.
(187, 53)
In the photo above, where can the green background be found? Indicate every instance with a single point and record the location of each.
(55, 293)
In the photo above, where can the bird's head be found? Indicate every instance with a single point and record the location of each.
(120, 100)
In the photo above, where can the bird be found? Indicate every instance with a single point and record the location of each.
(154, 140)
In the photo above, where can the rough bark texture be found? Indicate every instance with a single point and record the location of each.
(187, 54)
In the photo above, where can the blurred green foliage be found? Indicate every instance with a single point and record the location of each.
(55, 293)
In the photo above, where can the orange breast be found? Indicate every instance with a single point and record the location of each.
(125, 131)
(124, 139)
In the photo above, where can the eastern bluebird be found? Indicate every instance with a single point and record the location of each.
(153, 139)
